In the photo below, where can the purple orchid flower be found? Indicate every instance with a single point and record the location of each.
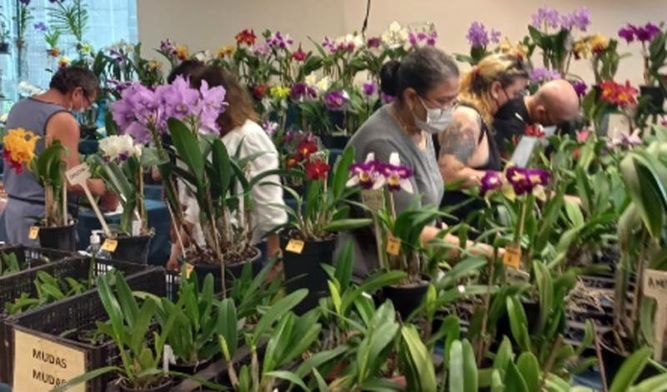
(477, 35)
(579, 18)
(543, 74)
(336, 100)
(546, 16)
(525, 180)
(396, 176)
(627, 33)
(168, 47)
(580, 87)
(374, 42)
(369, 88)
(270, 127)
(365, 174)
(491, 181)
(41, 27)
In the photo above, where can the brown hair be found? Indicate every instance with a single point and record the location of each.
(476, 83)
(239, 107)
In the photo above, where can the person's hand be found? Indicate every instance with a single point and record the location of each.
(109, 201)
(155, 174)
(172, 264)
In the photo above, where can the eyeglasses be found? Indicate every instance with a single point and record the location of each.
(450, 104)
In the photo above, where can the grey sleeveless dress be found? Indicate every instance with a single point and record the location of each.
(25, 196)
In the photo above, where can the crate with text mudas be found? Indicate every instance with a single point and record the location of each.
(59, 341)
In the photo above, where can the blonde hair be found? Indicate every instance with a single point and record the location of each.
(476, 83)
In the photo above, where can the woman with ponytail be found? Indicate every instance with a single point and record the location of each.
(467, 146)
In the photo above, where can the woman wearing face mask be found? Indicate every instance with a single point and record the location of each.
(49, 115)
(425, 85)
(467, 147)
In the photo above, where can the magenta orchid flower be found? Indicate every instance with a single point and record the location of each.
(365, 174)
(491, 181)
(396, 176)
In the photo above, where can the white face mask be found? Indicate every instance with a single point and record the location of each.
(436, 119)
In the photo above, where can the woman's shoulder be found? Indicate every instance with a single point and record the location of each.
(466, 117)
(251, 134)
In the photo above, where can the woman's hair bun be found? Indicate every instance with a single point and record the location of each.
(389, 81)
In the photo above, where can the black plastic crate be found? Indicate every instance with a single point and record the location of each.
(12, 286)
(33, 257)
(51, 321)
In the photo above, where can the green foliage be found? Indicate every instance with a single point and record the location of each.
(9, 264)
(49, 289)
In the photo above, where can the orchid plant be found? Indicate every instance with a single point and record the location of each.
(654, 52)
(144, 114)
(552, 32)
(121, 164)
(323, 211)
(520, 188)
(397, 234)
(479, 39)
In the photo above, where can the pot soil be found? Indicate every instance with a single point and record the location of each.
(304, 270)
(59, 237)
(407, 297)
(134, 249)
(190, 369)
(233, 271)
(164, 386)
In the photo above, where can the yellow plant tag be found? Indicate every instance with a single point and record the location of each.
(512, 256)
(295, 246)
(188, 269)
(393, 246)
(110, 245)
(34, 231)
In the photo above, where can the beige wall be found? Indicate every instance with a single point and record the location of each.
(209, 24)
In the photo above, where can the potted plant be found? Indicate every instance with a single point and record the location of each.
(55, 229)
(288, 337)
(129, 328)
(398, 236)
(604, 56)
(23, 18)
(121, 164)
(309, 237)
(654, 52)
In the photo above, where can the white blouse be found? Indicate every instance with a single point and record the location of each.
(267, 196)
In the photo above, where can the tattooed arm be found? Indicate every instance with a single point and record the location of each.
(459, 145)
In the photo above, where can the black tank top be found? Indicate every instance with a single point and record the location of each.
(494, 163)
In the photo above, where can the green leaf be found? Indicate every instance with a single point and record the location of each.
(420, 372)
(276, 311)
(347, 224)
(228, 328)
(514, 380)
(469, 367)
(187, 146)
(518, 322)
(289, 376)
(530, 370)
(456, 372)
(221, 166)
(630, 370)
(86, 377)
(653, 384)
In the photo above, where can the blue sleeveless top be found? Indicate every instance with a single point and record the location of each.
(31, 115)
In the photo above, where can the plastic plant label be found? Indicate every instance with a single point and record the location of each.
(78, 174)
(110, 245)
(512, 256)
(295, 246)
(655, 286)
(393, 246)
(373, 199)
(41, 364)
(33, 232)
(188, 269)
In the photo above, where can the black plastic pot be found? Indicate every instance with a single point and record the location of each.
(165, 386)
(613, 360)
(232, 271)
(4, 47)
(304, 271)
(655, 95)
(406, 298)
(189, 369)
(60, 237)
(133, 249)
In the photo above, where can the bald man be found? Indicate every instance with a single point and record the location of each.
(556, 102)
